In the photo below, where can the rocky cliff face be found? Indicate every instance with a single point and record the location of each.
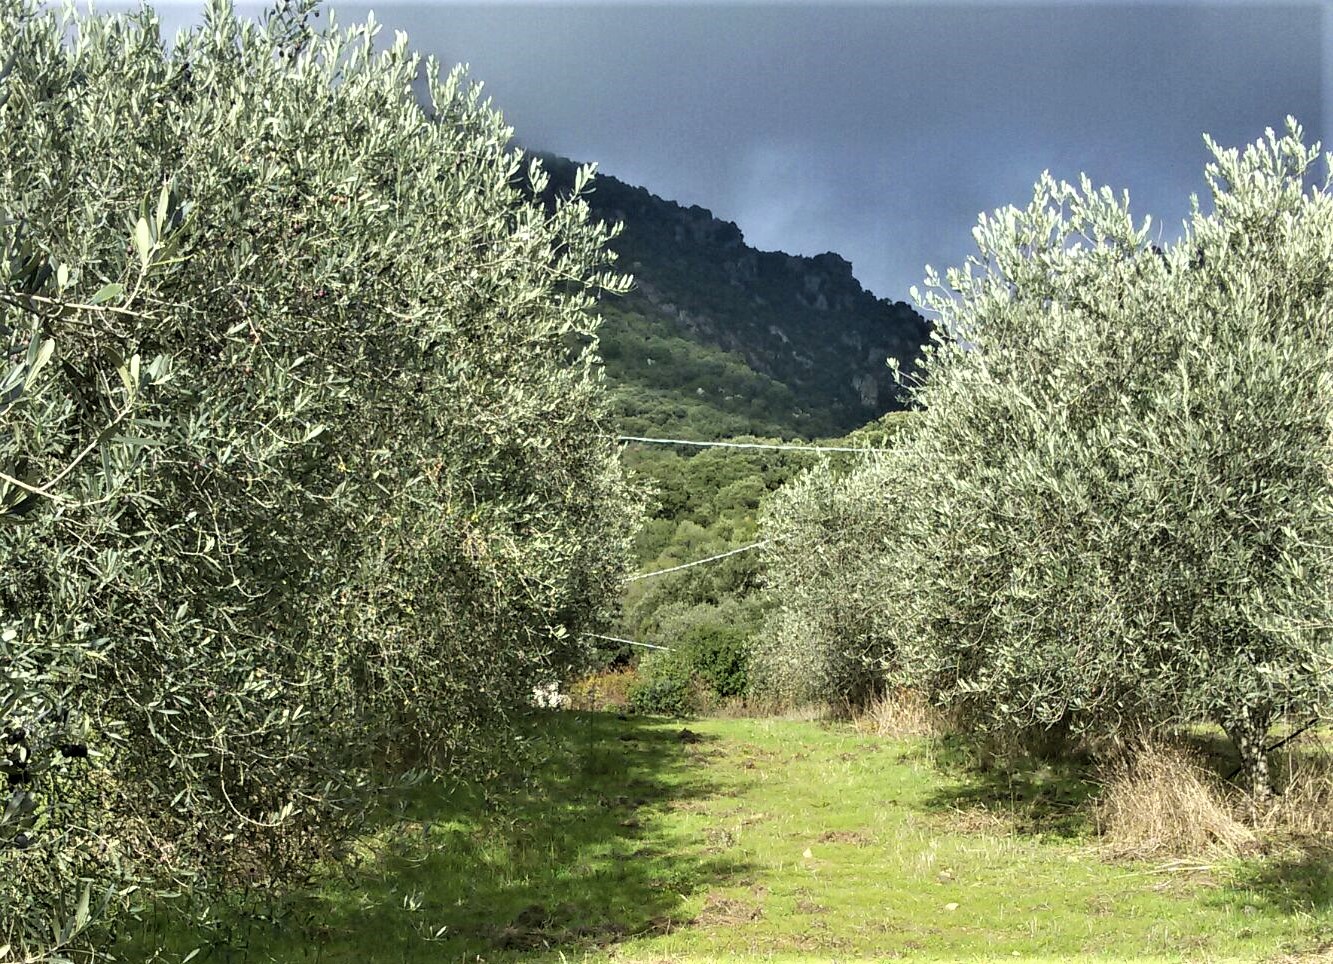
(804, 322)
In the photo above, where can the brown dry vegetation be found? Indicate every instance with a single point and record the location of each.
(901, 714)
(1303, 808)
(1162, 799)
(1160, 796)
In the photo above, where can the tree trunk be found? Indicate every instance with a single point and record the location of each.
(1248, 732)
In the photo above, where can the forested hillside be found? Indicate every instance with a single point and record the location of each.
(716, 340)
(719, 339)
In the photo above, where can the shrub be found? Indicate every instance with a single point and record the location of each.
(665, 686)
(675, 621)
(301, 468)
(709, 663)
(718, 655)
(607, 690)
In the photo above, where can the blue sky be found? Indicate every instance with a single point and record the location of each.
(879, 130)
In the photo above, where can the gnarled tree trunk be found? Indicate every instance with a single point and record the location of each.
(1247, 729)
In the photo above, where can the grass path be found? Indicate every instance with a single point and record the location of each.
(768, 840)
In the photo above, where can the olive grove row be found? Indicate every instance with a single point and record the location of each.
(300, 482)
(1113, 508)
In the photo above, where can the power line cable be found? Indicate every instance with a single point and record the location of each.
(745, 444)
(698, 562)
(628, 642)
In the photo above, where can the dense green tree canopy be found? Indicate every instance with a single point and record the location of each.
(1114, 506)
(300, 473)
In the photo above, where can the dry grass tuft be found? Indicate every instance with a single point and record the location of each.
(1160, 801)
(720, 911)
(901, 714)
(767, 708)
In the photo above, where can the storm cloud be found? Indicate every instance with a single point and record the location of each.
(879, 131)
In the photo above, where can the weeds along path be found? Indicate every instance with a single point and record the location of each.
(652, 840)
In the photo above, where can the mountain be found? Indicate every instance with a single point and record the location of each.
(720, 338)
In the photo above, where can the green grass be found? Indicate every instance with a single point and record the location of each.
(764, 839)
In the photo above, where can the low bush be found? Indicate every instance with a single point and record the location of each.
(709, 665)
(607, 690)
(720, 657)
(665, 685)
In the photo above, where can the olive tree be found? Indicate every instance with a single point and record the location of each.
(1114, 506)
(302, 471)
(829, 635)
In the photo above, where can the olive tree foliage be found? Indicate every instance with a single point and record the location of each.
(829, 637)
(1114, 506)
(299, 439)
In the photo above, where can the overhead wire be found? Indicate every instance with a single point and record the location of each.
(720, 555)
(781, 447)
(628, 642)
(698, 562)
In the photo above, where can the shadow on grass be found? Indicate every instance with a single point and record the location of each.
(571, 859)
(1028, 795)
(1053, 797)
(1296, 875)
(1296, 882)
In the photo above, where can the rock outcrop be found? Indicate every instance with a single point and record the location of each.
(803, 321)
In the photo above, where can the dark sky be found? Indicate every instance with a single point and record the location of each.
(880, 130)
